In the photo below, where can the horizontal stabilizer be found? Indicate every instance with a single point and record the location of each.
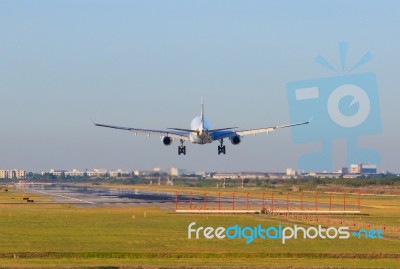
(222, 129)
(185, 130)
(196, 131)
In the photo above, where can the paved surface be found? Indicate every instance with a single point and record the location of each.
(106, 197)
(98, 197)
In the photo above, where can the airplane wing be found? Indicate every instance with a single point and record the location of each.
(170, 133)
(227, 134)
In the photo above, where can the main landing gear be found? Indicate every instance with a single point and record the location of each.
(182, 149)
(221, 148)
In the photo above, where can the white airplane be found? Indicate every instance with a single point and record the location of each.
(201, 133)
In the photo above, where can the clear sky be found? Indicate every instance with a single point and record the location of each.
(147, 63)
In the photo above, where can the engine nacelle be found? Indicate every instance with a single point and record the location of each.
(235, 140)
(166, 140)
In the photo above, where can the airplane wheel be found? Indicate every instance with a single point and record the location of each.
(182, 150)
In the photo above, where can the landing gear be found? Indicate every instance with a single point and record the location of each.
(182, 149)
(221, 148)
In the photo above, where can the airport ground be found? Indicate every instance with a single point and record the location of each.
(125, 227)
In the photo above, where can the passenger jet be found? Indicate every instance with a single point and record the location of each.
(200, 132)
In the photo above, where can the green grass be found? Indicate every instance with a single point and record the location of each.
(52, 235)
(9, 195)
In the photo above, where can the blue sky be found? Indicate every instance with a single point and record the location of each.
(147, 64)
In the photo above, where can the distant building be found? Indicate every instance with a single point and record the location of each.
(344, 170)
(355, 169)
(55, 172)
(325, 175)
(276, 175)
(226, 176)
(97, 173)
(58, 173)
(74, 173)
(173, 171)
(20, 173)
(93, 173)
(291, 172)
(363, 169)
(352, 176)
(144, 173)
(15, 173)
(119, 173)
(253, 175)
(368, 169)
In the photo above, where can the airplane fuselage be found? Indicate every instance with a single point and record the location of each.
(201, 136)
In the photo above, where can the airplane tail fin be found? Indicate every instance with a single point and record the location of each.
(202, 124)
(202, 113)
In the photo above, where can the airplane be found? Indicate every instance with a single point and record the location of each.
(200, 132)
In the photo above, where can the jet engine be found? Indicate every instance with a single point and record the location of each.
(166, 140)
(235, 140)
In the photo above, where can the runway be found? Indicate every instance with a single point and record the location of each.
(82, 196)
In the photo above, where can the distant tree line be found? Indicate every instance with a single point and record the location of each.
(198, 181)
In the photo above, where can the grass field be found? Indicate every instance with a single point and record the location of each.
(382, 209)
(53, 235)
